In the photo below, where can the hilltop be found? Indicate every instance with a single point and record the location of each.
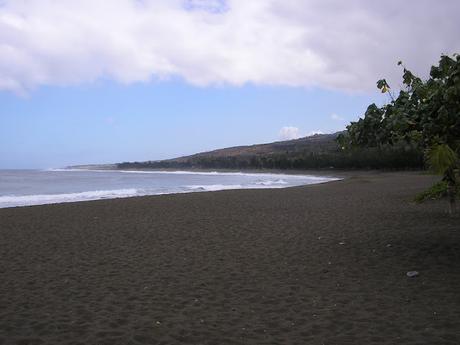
(315, 143)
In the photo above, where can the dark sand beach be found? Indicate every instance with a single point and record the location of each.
(321, 264)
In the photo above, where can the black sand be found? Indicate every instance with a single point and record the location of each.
(323, 264)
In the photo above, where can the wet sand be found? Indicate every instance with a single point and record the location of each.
(321, 264)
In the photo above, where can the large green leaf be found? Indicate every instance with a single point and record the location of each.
(441, 158)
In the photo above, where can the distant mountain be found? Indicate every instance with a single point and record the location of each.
(318, 143)
(319, 151)
(257, 156)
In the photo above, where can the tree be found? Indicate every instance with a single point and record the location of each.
(425, 114)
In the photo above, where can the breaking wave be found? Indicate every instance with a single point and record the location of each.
(41, 199)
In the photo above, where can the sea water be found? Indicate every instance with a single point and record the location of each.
(37, 187)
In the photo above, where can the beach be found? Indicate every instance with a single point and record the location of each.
(318, 264)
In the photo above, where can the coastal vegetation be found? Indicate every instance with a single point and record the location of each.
(358, 158)
(425, 116)
(320, 151)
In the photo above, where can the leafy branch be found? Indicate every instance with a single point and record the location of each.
(425, 115)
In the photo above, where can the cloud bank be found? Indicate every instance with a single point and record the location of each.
(311, 43)
(289, 133)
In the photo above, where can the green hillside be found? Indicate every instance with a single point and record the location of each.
(320, 151)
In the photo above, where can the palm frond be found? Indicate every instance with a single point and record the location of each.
(441, 158)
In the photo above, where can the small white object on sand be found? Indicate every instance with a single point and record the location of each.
(412, 274)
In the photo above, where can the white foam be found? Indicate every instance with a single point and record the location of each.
(219, 173)
(272, 183)
(214, 187)
(208, 173)
(41, 199)
(263, 180)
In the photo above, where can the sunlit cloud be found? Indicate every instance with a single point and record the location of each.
(289, 133)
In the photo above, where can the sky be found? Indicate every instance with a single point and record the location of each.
(95, 81)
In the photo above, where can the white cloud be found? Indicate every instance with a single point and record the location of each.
(314, 132)
(336, 117)
(289, 133)
(327, 43)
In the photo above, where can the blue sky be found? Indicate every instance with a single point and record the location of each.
(96, 81)
(108, 122)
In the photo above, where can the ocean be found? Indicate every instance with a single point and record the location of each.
(37, 187)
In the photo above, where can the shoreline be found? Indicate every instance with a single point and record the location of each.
(337, 175)
(129, 192)
(323, 263)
